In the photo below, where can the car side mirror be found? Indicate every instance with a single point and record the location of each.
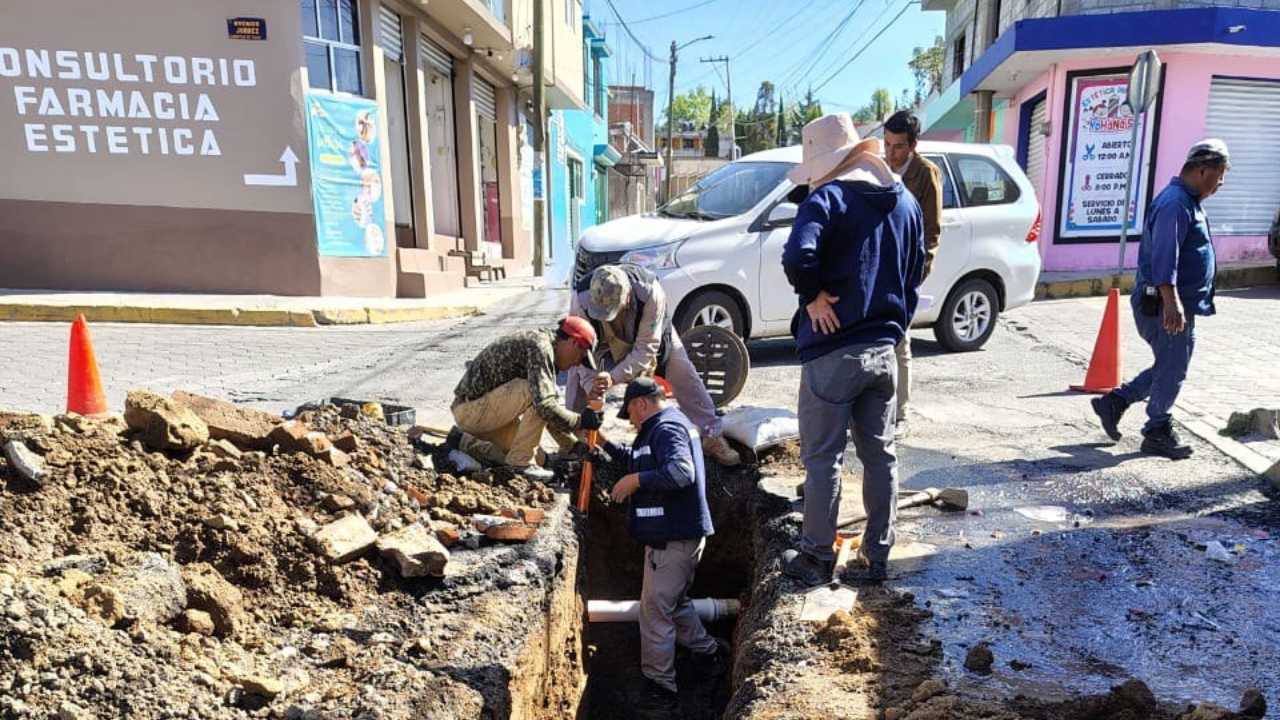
(782, 215)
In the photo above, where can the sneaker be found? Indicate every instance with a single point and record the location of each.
(901, 429)
(719, 450)
(534, 472)
(871, 571)
(1110, 408)
(805, 568)
(1165, 443)
(715, 663)
(659, 701)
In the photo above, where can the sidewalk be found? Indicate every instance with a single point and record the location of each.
(255, 310)
(1094, 283)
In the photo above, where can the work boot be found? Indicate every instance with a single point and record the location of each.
(1110, 408)
(1165, 443)
(718, 449)
(715, 663)
(870, 571)
(659, 701)
(901, 429)
(454, 440)
(805, 568)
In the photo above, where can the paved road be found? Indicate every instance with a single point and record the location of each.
(1236, 366)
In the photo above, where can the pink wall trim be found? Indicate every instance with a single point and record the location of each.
(1182, 122)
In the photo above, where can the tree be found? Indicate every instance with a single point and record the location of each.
(904, 102)
(760, 126)
(711, 146)
(881, 104)
(784, 137)
(808, 110)
(926, 64)
(692, 107)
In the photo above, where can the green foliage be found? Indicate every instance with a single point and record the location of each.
(693, 106)
(926, 64)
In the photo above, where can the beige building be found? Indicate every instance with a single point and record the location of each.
(167, 149)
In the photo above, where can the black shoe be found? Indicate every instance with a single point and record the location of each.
(658, 701)
(1110, 408)
(1165, 443)
(807, 569)
(454, 440)
(715, 663)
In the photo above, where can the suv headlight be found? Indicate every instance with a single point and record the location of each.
(658, 257)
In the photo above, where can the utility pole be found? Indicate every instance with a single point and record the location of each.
(671, 97)
(728, 81)
(539, 138)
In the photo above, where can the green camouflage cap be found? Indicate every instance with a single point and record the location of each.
(609, 286)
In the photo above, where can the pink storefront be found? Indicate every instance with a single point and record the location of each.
(1058, 91)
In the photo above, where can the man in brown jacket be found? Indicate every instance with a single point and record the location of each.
(924, 180)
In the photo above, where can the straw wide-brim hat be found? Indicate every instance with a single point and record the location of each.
(832, 148)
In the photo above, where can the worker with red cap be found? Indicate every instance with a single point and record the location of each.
(509, 394)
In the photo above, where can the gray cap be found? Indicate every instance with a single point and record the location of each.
(1209, 150)
(609, 288)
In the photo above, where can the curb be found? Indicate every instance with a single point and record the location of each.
(1228, 278)
(244, 317)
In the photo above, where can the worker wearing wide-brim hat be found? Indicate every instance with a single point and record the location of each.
(628, 308)
(666, 494)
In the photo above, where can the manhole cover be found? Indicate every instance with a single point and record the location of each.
(721, 359)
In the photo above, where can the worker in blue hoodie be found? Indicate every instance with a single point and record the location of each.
(666, 495)
(855, 258)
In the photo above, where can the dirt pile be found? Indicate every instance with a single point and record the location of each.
(166, 565)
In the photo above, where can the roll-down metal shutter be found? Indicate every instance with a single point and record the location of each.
(1035, 149)
(486, 99)
(434, 56)
(390, 35)
(1246, 115)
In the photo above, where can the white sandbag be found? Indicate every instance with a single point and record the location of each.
(761, 427)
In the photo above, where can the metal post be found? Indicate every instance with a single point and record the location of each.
(539, 137)
(671, 96)
(1128, 196)
(728, 81)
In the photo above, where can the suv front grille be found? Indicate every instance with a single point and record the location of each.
(588, 261)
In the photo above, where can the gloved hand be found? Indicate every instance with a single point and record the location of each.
(590, 419)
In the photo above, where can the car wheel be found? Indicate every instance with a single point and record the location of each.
(968, 317)
(712, 307)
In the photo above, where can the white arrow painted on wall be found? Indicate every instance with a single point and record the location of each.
(288, 179)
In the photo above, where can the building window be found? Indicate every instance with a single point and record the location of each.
(331, 37)
(957, 59)
(687, 144)
(598, 86)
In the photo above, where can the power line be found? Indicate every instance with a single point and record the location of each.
(870, 42)
(790, 80)
(769, 32)
(623, 23)
(674, 12)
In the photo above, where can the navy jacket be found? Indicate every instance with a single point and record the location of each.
(671, 503)
(863, 244)
(1177, 249)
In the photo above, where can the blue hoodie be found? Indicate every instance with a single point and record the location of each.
(864, 244)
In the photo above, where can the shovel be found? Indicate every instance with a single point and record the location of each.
(950, 499)
(821, 601)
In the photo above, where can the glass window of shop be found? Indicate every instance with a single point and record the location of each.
(331, 38)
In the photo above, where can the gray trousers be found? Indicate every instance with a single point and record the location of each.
(686, 385)
(849, 390)
(903, 351)
(666, 615)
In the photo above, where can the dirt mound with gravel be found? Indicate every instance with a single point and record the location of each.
(152, 568)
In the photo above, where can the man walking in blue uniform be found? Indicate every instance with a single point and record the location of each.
(665, 487)
(855, 257)
(1174, 285)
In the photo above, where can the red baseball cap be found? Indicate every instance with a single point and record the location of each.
(583, 335)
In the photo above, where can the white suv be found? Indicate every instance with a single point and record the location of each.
(717, 248)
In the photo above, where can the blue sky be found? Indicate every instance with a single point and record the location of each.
(793, 43)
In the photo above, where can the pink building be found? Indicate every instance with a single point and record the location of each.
(1054, 89)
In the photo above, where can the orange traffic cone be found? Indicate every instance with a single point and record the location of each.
(1104, 368)
(84, 386)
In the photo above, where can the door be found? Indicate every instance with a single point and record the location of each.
(392, 43)
(777, 299)
(1246, 115)
(575, 203)
(437, 67)
(486, 102)
(954, 244)
(1035, 149)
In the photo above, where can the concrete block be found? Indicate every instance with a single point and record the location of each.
(416, 550)
(163, 423)
(243, 426)
(345, 539)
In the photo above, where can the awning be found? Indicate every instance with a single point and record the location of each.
(606, 155)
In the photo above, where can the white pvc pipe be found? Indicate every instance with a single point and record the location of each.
(708, 609)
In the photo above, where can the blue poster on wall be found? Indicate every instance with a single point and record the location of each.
(346, 175)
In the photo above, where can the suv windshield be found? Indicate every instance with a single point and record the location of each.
(730, 190)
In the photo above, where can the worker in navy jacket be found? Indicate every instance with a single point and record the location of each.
(855, 258)
(665, 491)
